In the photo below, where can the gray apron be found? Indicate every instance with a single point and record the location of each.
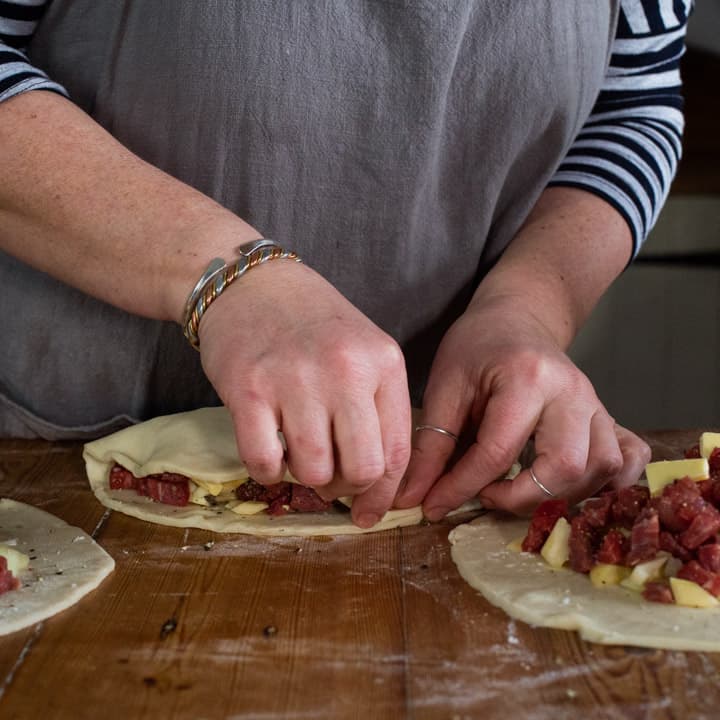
(397, 146)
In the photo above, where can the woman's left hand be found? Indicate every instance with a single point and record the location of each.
(500, 378)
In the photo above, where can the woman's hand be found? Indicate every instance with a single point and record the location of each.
(286, 351)
(501, 375)
(282, 347)
(500, 378)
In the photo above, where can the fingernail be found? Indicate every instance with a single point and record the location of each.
(367, 520)
(436, 513)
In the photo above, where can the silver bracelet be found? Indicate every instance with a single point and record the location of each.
(219, 275)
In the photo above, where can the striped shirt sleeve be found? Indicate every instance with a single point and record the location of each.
(18, 20)
(628, 150)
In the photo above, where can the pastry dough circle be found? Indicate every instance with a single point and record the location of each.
(528, 589)
(65, 565)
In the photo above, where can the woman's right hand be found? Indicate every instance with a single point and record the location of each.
(286, 351)
(282, 347)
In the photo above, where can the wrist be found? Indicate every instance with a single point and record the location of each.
(571, 247)
(196, 247)
(219, 275)
(533, 290)
(522, 314)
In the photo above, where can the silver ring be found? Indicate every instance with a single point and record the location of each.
(539, 484)
(437, 429)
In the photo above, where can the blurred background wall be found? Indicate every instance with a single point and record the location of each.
(652, 346)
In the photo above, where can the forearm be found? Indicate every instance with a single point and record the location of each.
(572, 246)
(78, 205)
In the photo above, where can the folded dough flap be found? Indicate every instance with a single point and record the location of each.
(199, 444)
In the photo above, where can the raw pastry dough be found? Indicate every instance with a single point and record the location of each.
(528, 589)
(65, 565)
(201, 444)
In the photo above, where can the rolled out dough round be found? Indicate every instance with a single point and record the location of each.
(528, 589)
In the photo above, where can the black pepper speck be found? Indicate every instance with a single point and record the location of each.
(168, 627)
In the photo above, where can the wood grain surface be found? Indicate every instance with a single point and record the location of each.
(197, 625)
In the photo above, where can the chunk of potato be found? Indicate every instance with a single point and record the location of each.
(662, 473)
(690, 594)
(606, 574)
(708, 442)
(644, 573)
(16, 561)
(556, 549)
(247, 507)
(515, 545)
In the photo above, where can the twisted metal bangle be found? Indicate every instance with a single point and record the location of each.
(218, 276)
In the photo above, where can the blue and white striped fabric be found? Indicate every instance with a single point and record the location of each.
(18, 19)
(629, 148)
(627, 151)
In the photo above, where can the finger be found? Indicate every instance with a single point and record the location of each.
(428, 459)
(394, 415)
(307, 432)
(259, 447)
(605, 460)
(593, 459)
(358, 447)
(636, 455)
(508, 421)
(521, 494)
(562, 445)
(431, 449)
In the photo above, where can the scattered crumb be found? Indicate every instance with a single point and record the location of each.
(512, 638)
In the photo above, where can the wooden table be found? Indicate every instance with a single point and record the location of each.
(196, 625)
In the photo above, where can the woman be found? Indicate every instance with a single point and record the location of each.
(462, 183)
